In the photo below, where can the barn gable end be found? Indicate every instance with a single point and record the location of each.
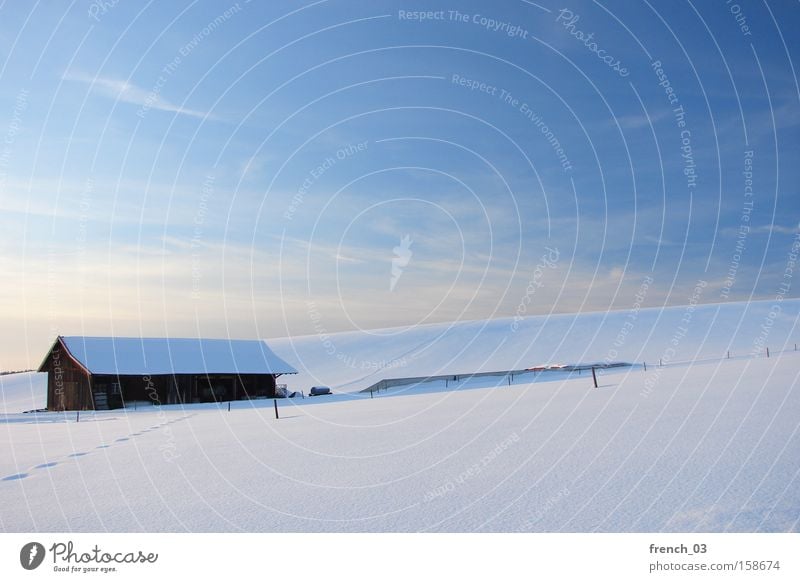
(69, 383)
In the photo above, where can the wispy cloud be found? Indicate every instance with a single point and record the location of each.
(127, 92)
(766, 229)
(338, 253)
(253, 166)
(639, 120)
(775, 229)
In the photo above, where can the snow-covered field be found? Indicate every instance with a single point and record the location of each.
(712, 445)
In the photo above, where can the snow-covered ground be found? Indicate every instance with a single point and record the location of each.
(709, 446)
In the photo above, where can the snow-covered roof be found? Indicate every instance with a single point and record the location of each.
(137, 356)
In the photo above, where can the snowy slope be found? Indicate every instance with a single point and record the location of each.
(25, 391)
(355, 360)
(706, 447)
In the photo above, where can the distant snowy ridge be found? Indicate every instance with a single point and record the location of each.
(22, 391)
(351, 361)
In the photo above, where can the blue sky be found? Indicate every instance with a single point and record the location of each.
(252, 169)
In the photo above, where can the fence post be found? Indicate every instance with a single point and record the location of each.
(645, 366)
(275, 402)
(594, 377)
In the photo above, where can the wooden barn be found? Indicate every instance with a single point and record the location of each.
(101, 373)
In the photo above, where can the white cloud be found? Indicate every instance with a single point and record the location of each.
(775, 229)
(127, 92)
(639, 120)
(765, 229)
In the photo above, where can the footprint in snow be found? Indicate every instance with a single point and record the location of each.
(46, 465)
(14, 477)
(102, 446)
(78, 454)
(119, 440)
